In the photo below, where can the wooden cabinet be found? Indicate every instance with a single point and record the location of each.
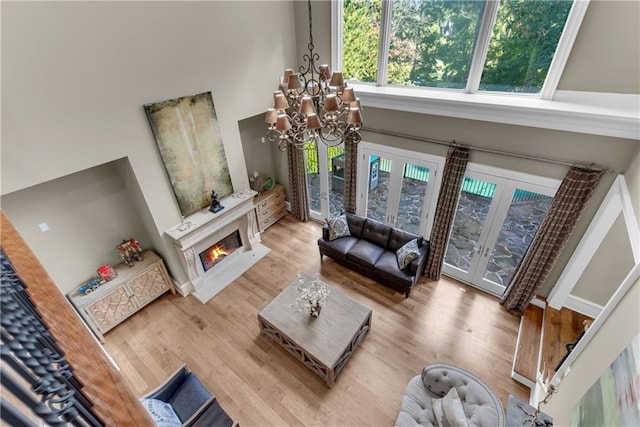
(270, 207)
(116, 300)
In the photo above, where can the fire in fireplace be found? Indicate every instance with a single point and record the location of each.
(217, 252)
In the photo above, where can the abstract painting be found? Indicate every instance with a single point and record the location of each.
(614, 399)
(190, 143)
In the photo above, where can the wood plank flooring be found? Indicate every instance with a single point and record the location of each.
(526, 364)
(260, 384)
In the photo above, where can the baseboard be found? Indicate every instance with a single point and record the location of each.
(183, 289)
(287, 206)
(583, 306)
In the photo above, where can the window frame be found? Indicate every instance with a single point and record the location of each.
(597, 113)
(565, 44)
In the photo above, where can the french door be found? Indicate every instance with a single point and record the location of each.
(325, 179)
(398, 187)
(495, 221)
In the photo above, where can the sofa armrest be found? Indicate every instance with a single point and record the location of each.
(325, 232)
(418, 265)
(165, 390)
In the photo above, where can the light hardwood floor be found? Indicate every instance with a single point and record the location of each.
(260, 384)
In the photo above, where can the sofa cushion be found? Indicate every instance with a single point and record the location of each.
(338, 227)
(387, 267)
(356, 224)
(398, 238)
(376, 232)
(448, 410)
(340, 246)
(365, 253)
(407, 253)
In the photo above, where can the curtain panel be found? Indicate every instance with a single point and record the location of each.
(350, 175)
(298, 184)
(452, 179)
(568, 204)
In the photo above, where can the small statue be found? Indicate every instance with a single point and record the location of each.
(215, 203)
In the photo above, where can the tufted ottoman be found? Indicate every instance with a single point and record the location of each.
(481, 406)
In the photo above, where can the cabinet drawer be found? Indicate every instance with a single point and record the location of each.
(274, 199)
(270, 210)
(270, 220)
(108, 311)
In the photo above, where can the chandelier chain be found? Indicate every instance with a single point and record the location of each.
(310, 25)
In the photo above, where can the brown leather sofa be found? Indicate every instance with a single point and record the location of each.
(371, 251)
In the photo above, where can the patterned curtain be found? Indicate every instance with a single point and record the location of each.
(350, 175)
(565, 210)
(452, 179)
(298, 184)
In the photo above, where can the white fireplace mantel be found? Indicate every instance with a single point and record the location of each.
(205, 228)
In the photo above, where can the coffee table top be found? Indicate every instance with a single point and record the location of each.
(325, 337)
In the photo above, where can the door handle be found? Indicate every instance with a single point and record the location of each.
(486, 251)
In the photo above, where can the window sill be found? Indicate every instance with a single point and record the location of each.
(607, 114)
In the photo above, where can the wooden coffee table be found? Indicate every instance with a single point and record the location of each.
(323, 344)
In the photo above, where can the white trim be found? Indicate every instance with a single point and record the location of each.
(607, 213)
(183, 289)
(384, 42)
(565, 44)
(607, 114)
(512, 175)
(597, 324)
(482, 45)
(583, 306)
(337, 21)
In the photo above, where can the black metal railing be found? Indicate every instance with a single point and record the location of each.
(35, 370)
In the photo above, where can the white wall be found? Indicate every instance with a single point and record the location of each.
(614, 336)
(75, 76)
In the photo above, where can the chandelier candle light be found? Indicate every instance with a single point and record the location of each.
(313, 104)
(312, 297)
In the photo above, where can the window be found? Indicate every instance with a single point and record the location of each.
(505, 46)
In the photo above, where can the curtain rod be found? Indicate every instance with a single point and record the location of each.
(592, 166)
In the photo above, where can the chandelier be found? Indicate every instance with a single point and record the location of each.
(313, 104)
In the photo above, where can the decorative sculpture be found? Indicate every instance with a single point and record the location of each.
(129, 250)
(215, 203)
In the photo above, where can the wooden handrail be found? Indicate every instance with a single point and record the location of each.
(113, 401)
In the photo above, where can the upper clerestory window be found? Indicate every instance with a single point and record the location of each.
(503, 46)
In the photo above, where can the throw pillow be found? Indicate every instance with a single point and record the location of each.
(448, 410)
(338, 227)
(407, 253)
(161, 412)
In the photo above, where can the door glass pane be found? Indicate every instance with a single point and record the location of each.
(523, 43)
(360, 39)
(524, 216)
(412, 195)
(432, 42)
(313, 176)
(336, 159)
(471, 213)
(378, 183)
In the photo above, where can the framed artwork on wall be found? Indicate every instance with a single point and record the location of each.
(188, 136)
(614, 399)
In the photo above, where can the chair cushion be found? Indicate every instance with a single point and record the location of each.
(189, 397)
(365, 253)
(407, 253)
(161, 412)
(448, 410)
(376, 232)
(338, 227)
(356, 224)
(415, 409)
(398, 238)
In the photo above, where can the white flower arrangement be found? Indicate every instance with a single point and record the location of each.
(312, 297)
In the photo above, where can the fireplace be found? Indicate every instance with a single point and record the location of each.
(216, 248)
(217, 252)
